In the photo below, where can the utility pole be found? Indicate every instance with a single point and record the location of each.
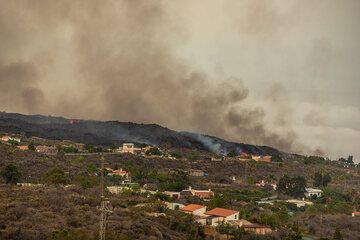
(245, 170)
(105, 205)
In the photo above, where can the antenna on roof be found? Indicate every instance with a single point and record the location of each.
(105, 204)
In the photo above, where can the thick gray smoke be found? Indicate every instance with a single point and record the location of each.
(115, 60)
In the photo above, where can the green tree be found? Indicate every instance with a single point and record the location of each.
(56, 176)
(292, 186)
(314, 160)
(87, 181)
(61, 234)
(321, 179)
(219, 200)
(32, 146)
(70, 149)
(337, 235)
(154, 151)
(294, 233)
(232, 154)
(176, 181)
(224, 228)
(11, 174)
(162, 196)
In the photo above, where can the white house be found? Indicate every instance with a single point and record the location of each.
(218, 215)
(313, 192)
(194, 209)
(120, 172)
(174, 206)
(128, 148)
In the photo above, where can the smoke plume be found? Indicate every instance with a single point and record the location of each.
(115, 60)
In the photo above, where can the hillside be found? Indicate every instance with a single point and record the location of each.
(40, 212)
(114, 133)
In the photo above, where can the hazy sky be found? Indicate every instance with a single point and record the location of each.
(276, 72)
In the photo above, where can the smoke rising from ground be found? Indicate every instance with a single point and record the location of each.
(116, 60)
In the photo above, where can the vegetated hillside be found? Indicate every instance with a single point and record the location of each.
(114, 133)
(40, 212)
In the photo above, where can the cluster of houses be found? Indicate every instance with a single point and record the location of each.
(217, 216)
(212, 217)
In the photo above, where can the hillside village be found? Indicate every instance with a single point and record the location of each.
(235, 196)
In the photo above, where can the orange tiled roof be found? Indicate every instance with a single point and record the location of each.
(221, 212)
(120, 172)
(23, 148)
(203, 194)
(192, 207)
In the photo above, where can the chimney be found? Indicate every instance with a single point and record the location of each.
(190, 188)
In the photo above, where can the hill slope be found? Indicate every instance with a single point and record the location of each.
(114, 132)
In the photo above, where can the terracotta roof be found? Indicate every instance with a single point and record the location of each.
(203, 194)
(221, 212)
(192, 207)
(23, 148)
(120, 172)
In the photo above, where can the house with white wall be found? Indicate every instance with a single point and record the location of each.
(313, 192)
(174, 205)
(219, 215)
(194, 209)
(128, 148)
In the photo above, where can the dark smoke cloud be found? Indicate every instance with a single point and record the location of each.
(115, 60)
(18, 84)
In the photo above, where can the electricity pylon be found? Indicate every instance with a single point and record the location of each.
(105, 205)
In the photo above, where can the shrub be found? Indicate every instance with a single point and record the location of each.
(321, 179)
(232, 154)
(87, 181)
(176, 155)
(292, 186)
(32, 146)
(57, 176)
(11, 174)
(69, 149)
(314, 160)
(78, 160)
(154, 151)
